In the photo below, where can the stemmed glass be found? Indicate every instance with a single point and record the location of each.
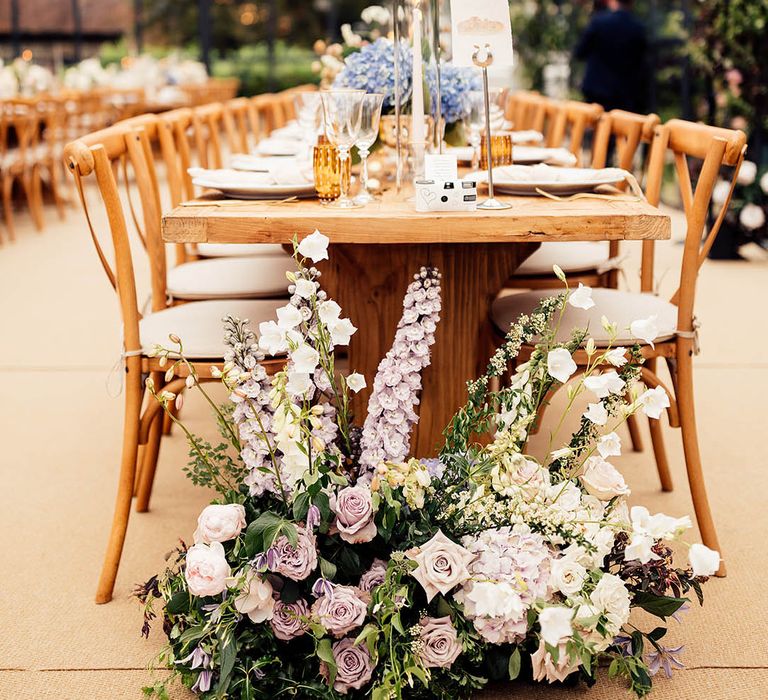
(369, 132)
(308, 115)
(475, 110)
(343, 112)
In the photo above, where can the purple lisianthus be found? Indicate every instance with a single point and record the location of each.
(354, 666)
(343, 611)
(297, 562)
(289, 619)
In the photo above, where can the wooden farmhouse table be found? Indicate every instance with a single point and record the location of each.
(375, 251)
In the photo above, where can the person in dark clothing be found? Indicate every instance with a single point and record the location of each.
(614, 45)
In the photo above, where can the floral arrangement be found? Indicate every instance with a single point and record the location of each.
(22, 78)
(333, 565)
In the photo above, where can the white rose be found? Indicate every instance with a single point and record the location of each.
(315, 246)
(752, 217)
(567, 576)
(612, 597)
(704, 561)
(219, 523)
(560, 364)
(747, 173)
(555, 624)
(581, 298)
(602, 479)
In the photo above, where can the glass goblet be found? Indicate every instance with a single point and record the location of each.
(308, 116)
(475, 111)
(369, 132)
(343, 112)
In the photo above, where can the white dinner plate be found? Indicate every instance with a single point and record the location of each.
(526, 179)
(530, 155)
(248, 185)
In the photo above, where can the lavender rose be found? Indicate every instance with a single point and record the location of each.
(354, 515)
(374, 576)
(341, 611)
(289, 619)
(440, 643)
(354, 666)
(298, 562)
(442, 565)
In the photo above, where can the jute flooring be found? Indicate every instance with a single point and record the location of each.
(61, 427)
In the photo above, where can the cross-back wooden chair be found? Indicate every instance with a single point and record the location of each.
(571, 123)
(198, 324)
(520, 108)
(239, 123)
(270, 112)
(676, 342)
(209, 134)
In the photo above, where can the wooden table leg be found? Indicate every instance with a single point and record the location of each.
(369, 282)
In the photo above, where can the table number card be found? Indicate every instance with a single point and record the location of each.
(440, 167)
(480, 22)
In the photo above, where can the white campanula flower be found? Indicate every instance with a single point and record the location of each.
(272, 338)
(646, 329)
(747, 173)
(764, 182)
(602, 480)
(581, 298)
(560, 364)
(567, 576)
(305, 359)
(328, 311)
(356, 381)
(314, 246)
(617, 357)
(704, 561)
(555, 624)
(659, 526)
(305, 288)
(653, 401)
(489, 599)
(639, 548)
(609, 445)
(597, 413)
(288, 317)
(298, 383)
(752, 217)
(605, 384)
(341, 330)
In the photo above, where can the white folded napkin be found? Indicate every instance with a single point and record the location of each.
(551, 156)
(289, 173)
(544, 174)
(273, 146)
(528, 136)
(291, 132)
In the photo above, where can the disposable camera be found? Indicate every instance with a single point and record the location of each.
(450, 195)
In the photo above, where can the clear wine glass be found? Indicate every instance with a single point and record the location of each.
(308, 115)
(343, 113)
(475, 120)
(369, 132)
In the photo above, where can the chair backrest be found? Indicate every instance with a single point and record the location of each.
(714, 148)
(208, 128)
(573, 120)
(520, 107)
(628, 130)
(239, 122)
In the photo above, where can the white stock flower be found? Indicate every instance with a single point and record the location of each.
(617, 356)
(560, 364)
(581, 298)
(305, 359)
(639, 548)
(602, 480)
(605, 384)
(646, 329)
(764, 182)
(356, 381)
(315, 247)
(653, 401)
(305, 288)
(555, 624)
(704, 561)
(609, 445)
(272, 338)
(298, 383)
(341, 330)
(752, 216)
(567, 576)
(597, 413)
(747, 173)
(720, 192)
(288, 317)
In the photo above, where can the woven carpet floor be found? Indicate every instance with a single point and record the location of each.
(61, 428)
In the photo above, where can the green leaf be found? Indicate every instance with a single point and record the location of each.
(179, 603)
(228, 656)
(327, 569)
(659, 605)
(514, 664)
(301, 506)
(324, 651)
(290, 591)
(657, 634)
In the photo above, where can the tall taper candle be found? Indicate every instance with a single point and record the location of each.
(418, 127)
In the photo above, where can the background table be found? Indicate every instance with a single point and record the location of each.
(375, 251)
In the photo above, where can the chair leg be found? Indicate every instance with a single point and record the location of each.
(149, 465)
(693, 465)
(30, 190)
(57, 198)
(635, 437)
(657, 440)
(8, 205)
(133, 396)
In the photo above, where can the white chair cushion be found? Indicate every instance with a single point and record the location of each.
(617, 306)
(228, 250)
(571, 257)
(230, 278)
(199, 325)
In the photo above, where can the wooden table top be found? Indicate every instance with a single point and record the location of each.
(393, 220)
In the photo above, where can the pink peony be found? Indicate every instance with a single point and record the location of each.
(354, 515)
(298, 562)
(341, 611)
(289, 619)
(206, 569)
(440, 642)
(374, 576)
(354, 666)
(219, 523)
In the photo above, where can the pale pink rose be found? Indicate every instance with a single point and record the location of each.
(602, 480)
(341, 611)
(219, 523)
(256, 599)
(206, 569)
(374, 576)
(440, 643)
(442, 565)
(298, 562)
(289, 619)
(545, 669)
(354, 515)
(354, 666)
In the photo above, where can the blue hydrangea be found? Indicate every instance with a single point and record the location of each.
(455, 83)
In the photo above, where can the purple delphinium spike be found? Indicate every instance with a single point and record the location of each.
(665, 658)
(391, 415)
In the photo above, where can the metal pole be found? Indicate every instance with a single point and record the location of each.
(204, 31)
(15, 32)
